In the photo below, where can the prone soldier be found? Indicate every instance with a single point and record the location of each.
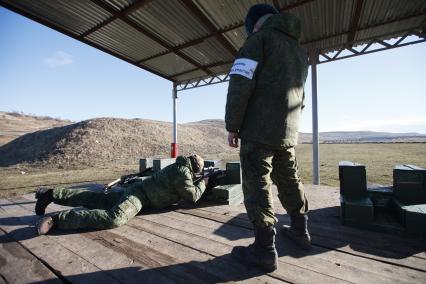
(114, 209)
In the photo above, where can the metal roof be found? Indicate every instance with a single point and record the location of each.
(182, 40)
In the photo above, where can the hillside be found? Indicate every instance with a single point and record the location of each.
(14, 124)
(101, 141)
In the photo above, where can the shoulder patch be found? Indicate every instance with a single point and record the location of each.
(244, 67)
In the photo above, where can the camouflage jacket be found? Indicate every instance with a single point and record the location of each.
(171, 184)
(265, 93)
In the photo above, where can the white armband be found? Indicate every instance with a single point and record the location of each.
(244, 67)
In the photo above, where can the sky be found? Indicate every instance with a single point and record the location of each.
(46, 73)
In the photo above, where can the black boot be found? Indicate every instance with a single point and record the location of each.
(44, 197)
(46, 224)
(262, 252)
(298, 231)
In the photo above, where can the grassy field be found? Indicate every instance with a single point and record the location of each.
(379, 159)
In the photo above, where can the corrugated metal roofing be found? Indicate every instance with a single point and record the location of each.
(126, 40)
(170, 21)
(187, 39)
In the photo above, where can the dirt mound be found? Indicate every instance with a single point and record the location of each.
(15, 124)
(100, 141)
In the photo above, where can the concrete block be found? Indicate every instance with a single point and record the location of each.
(159, 164)
(357, 210)
(409, 183)
(145, 164)
(353, 179)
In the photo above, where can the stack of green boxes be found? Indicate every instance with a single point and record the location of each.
(366, 207)
(229, 190)
(409, 183)
(356, 206)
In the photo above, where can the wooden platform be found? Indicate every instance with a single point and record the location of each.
(193, 245)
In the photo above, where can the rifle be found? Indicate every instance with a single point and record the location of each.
(127, 179)
(213, 174)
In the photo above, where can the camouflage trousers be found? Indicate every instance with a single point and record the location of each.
(261, 166)
(102, 211)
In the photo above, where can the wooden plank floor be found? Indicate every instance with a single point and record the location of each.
(193, 244)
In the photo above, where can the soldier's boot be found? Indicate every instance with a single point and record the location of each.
(44, 197)
(46, 224)
(298, 231)
(262, 252)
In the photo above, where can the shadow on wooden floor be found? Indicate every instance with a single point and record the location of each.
(325, 228)
(217, 270)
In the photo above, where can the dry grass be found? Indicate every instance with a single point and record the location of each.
(19, 180)
(105, 148)
(379, 158)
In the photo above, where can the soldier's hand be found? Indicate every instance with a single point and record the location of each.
(233, 139)
(206, 181)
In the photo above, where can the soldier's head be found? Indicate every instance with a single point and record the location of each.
(257, 15)
(197, 163)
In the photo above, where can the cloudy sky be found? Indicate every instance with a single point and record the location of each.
(43, 72)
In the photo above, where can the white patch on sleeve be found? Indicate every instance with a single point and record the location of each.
(244, 67)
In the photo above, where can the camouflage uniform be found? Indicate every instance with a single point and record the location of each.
(162, 189)
(265, 109)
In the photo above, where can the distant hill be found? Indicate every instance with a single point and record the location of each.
(97, 142)
(363, 137)
(15, 124)
(100, 141)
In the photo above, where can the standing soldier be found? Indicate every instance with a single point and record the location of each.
(264, 104)
(105, 211)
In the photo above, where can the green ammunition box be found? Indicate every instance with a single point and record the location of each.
(353, 179)
(415, 218)
(210, 163)
(160, 164)
(233, 173)
(412, 217)
(231, 194)
(409, 183)
(144, 164)
(356, 210)
(227, 191)
(399, 209)
(381, 196)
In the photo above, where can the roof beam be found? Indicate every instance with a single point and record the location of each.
(133, 7)
(174, 49)
(218, 32)
(367, 50)
(206, 66)
(210, 26)
(365, 28)
(355, 21)
(149, 34)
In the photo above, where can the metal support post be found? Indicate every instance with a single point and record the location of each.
(174, 149)
(314, 56)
